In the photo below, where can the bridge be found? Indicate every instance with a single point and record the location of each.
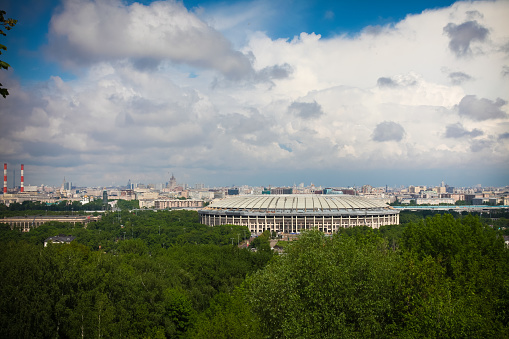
(455, 208)
(27, 222)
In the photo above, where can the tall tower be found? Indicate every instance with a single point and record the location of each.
(5, 178)
(173, 181)
(22, 184)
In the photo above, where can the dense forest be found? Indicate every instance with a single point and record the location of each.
(147, 274)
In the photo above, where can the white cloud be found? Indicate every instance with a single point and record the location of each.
(395, 99)
(388, 131)
(481, 109)
(89, 31)
(463, 35)
(458, 131)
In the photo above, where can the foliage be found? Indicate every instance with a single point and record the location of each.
(262, 242)
(40, 208)
(173, 277)
(326, 287)
(228, 317)
(6, 24)
(447, 279)
(130, 288)
(128, 204)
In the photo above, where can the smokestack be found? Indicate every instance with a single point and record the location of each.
(5, 178)
(22, 188)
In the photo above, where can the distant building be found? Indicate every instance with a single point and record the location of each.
(416, 189)
(127, 194)
(59, 239)
(347, 191)
(441, 189)
(173, 182)
(281, 190)
(176, 203)
(26, 223)
(219, 194)
(233, 191)
(332, 191)
(429, 201)
(366, 189)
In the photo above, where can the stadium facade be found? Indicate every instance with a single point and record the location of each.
(294, 213)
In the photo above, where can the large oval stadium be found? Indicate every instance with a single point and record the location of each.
(297, 212)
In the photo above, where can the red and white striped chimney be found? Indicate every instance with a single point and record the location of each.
(22, 185)
(5, 178)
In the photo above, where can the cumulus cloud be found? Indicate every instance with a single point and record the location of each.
(313, 103)
(481, 109)
(84, 32)
(471, 15)
(398, 81)
(461, 36)
(386, 82)
(275, 72)
(374, 30)
(251, 127)
(479, 145)
(457, 78)
(43, 149)
(388, 131)
(458, 131)
(505, 71)
(306, 110)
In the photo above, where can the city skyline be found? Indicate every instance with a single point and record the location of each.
(14, 181)
(257, 92)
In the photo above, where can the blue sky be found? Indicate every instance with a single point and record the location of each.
(257, 92)
(289, 18)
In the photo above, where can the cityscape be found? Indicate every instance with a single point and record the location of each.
(254, 169)
(170, 194)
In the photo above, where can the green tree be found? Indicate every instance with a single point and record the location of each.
(326, 288)
(178, 311)
(6, 24)
(128, 204)
(475, 265)
(262, 242)
(228, 317)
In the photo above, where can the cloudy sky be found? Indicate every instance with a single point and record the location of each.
(257, 92)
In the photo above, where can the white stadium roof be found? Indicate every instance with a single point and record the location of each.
(296, 203)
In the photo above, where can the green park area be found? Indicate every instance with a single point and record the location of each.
(161, 274)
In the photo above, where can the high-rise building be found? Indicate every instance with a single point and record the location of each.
(173, 181)
(233, 191)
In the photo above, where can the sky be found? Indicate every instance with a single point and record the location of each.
(260, 93)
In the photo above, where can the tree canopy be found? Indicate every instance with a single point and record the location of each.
(446, 279)
(147, 274)
(6, 25)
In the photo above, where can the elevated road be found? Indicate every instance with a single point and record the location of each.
(464, 208)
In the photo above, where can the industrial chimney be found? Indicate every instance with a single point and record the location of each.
(5, 178)
(22, 185)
